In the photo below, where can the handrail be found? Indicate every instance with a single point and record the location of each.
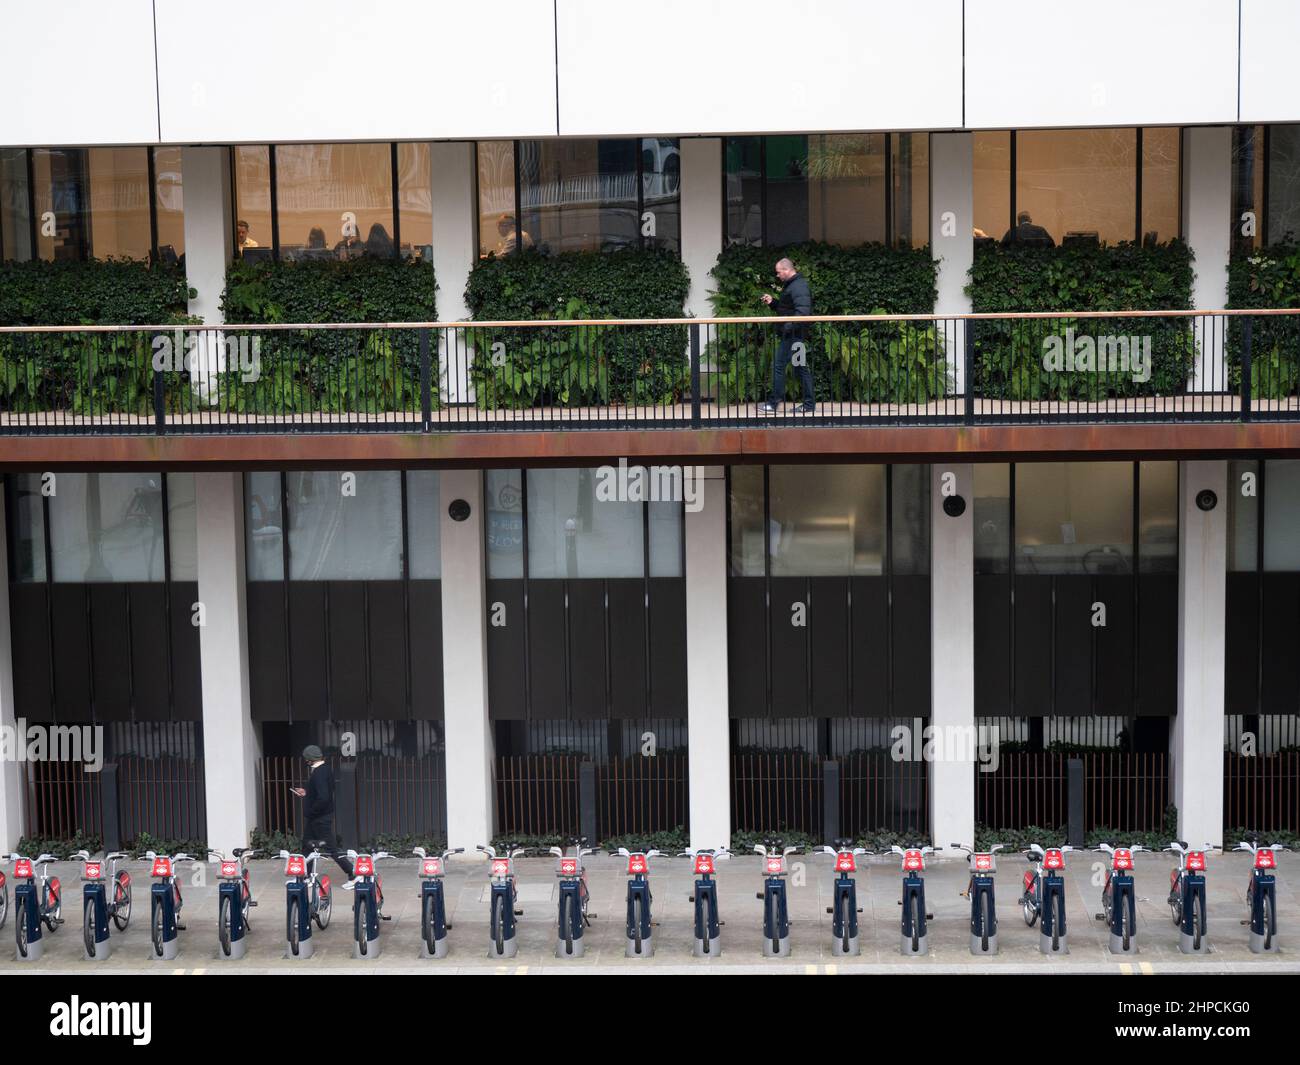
(536, 323)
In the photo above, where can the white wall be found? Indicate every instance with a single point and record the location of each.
(1270, 30)
(321, 70)
(77, 72)
(1105, 63)
(701, 206)
(11, 776)
(716, 66)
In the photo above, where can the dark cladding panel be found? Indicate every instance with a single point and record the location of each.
(110, 647)
(426, 651)
(1115, 644)
(387, 639)
(505, 641)
(1157, 644)
(1033, 637)
(546, 629)
(911, 624)
(28, 624)
(187, 674)
(307, 650)
(1073, 647)
(829, 634)
(668, 648)
(587, 647)
(71, 651)
(747, 646)
(993, 645)
(1241, 659)
(267, 657)
(627, 649)
(870, 661)
(148, 603)
(790, 647)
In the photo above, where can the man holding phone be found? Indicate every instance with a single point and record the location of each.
(318, 810)
(795, 299)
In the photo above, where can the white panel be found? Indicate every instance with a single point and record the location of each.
(77, 72)
(718, 66)
(1105, 63)
(1270, 30)
(247, 71)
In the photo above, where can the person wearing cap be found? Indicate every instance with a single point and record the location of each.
(318, 809)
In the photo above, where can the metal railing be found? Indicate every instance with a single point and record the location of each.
(1170, 366)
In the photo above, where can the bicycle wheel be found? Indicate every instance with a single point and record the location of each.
(4, 903)
(1198, 922)
(295, 923)
(986, 920)
(156, 929)
(88, 927)
(1058, 919)
(636, 923)
(915, 908)
(20, 932)
(1029, 910)
(773, 913)
(566, 922)
(499, 923)
(844, 922)
(360, 929)
(51, 913)
(224, 915)
(121, 903)
(1270, 921)
(1125, 921)
(324, 908)
(427, 923)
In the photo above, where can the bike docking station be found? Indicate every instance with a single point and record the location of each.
(433, 905)
(844, 907)
(776, 914)
(1119, 901)
(166, 941)
(914, 941)
(1187, 897)
(1261, 897)
(1044, 896)
(27, 904)
(367, 906)
(979, 890)
(704, 897)
(299, 944)
(639, 938)
(232, 898)
(96, 944)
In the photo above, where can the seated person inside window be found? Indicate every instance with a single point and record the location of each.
(509, 242)
(1027, 235)
(379, 244)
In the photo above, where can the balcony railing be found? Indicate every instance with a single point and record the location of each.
(1161, 366)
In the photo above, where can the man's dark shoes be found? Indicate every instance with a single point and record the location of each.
(808, 408)
(767, 409)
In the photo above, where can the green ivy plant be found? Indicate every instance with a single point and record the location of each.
(1267, 278)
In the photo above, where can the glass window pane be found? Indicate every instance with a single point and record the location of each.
(415, 200)
(503, 496)
(107, 527)
(1243, 517)
(252, 198)
(334, 200)
(1074, 517)
(345, 526)
(182, 517)
(785, 181)
(15, 218)
(992, 517)
(827, 520)
(1076, 184)
(579, 195)
(1161, 149)
(1158, 517)
(424, 524)
(170, 204)
(1284, 184)
(661, 186)
(119, 203)
(746, 503)
(1248, 166)
(572, 533)
(992, 184)
(264, 525)
(1281, 515)
(496, 198)
(59, 192)
(910, 519)
(744, 197)
(911, 162)
(666, 539)
(28, 522)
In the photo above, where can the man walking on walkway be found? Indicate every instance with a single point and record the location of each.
(318, 809)
(795, 299)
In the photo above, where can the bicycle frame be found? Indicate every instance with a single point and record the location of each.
(914, 940)
(502, 929)
(1261, 897)
(96, 908)
(571, 908)
(367, 904)
(1187, 897)
(776, 913)
(640, 924)
(1044, 894)
(1118, 901)
(980, 891)
(844, 908)
(36, 903)
(708, 935)
(234, 900)
(434, 925)
(307, 898)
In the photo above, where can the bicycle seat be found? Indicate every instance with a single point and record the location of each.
(316, 844)
(238, 851)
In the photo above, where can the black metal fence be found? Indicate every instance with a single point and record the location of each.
(487, 376)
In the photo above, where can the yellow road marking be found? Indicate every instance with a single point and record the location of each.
(1126, 968)
(831, 970)
(1147, 968)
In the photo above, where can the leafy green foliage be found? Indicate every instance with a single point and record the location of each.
(97, 292)
(670, 841)
(195, 848)
(63, 849)
(403, 845)
(1009, 355)
(330, 371)
(269, 844)
(1268, 278)
(578, 365)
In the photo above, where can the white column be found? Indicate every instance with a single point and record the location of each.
(455, 250)
(230, 740)
(1207, 227)
(209, 227)
(1197, 734)
(11, 777)
(701, 200)
(464, 664)
(952, 227)
(708, 726)
(952, 655)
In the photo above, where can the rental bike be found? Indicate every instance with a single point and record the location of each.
(165, 904)
(979, 889)
(573, 917)
(367, 903)
(913, 901)
(97, 908)
(234, 900)
(1261, 896)
(502, 939)
(844, 907)
(36, 903)
(640, 939)
(776, 911)
(308, 898)
(1187, 897)
(434, 925)
(1044, 895)
(1118, 902)
(708, 934)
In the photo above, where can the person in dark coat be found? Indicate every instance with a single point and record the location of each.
(795, 299)
(318, 809)
(1027, 234)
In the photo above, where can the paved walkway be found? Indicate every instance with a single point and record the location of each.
(738, 880)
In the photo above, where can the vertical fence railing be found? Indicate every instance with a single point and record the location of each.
(780, 791)
(63, 799)
(878, 792)
(1127, 791)
(1261, 792)
(401, 796)
(639, 795)
(538, 795)
(163, 796)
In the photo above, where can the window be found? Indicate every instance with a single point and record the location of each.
(15, 206)
(1074, 517)
(504, 520)
(59, 203)
(579, 195)
(169, 204)
(1281, 509)
(1048, 187)
(415, 200)
(992, 518)
(253, 225)
(1243, 517)
(119, 211)
(1158, 517)
(345, 526)
(1284, 184)
(840, 188)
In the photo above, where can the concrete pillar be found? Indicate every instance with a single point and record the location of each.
(952, 655)
(1207, 227)
(209, 227)
(701, 205)
(470, 755)
(455, 251)
(231, 747)
(1197, 734)
(11, 776)
(952, 238)
(708, 725)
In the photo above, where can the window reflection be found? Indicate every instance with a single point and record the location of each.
(1074, 517)
(15, 216)
(334, 200)
(1284, 184)
(107, 527)
(169, 204)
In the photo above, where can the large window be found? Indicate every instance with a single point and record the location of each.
(839, 188)
(1048, 187)
(82, 203)
(333, 201)
(579, 195)
(1266, 186)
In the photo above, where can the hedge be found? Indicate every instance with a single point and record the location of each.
(1268, 278)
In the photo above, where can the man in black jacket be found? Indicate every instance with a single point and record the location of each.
(318, 809)
(795, 299)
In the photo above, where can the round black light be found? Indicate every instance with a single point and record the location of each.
(954, 506)
(458, 510)
(1206, 499)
